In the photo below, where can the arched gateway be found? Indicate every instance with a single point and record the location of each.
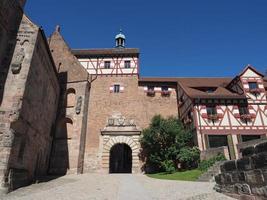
(120, 159)
(120, 153)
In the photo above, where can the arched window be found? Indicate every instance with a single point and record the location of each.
(71, 97)
(65, 129)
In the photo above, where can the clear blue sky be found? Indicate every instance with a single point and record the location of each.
(175, 37)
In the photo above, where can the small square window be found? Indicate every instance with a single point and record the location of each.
(127, 64)
(252, 85)
(164, 88)
(150, 88)
(107, 65)
(211, 110)
(116, 88)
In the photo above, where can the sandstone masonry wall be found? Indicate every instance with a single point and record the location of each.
(131, 103)
(70, 133)
(29, 109)
(10, 18)
(245, 178)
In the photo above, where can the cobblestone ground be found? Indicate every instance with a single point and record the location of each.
(115, 187)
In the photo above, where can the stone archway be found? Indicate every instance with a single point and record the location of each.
(120, 159)
(120, 130)
(111, 141)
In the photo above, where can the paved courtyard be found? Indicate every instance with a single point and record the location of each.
(115, 187)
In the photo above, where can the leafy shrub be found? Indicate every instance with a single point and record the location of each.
(204, 165)
(189, 157)
(167, 144)
(168, 166)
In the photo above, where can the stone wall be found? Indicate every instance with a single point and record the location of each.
(132, 103)
(212, 152)
(28, 109)
(10, 18)
(70, 133)
(245, 178)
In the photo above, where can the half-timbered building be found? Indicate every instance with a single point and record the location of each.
(225, 111)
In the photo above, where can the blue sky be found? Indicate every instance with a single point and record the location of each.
(176, 37)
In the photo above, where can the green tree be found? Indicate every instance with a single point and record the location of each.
(166, 144)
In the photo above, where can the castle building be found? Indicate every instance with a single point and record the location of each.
(69, 110)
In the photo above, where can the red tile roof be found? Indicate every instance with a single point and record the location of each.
(105, 52)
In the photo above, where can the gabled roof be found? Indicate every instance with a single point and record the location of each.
(251, 68)
(69, 68)
(191, 85)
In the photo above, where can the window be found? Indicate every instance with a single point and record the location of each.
(252, 85)
(107, 64)
(150, 88)
(116, 88)
(127, 64)
(164, 88)
(211, 110)
(243, 110)
(217, 141)
(246, 138)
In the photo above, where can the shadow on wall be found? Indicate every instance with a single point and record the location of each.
(59, 160)
(7, 47)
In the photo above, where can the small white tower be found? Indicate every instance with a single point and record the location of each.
(120, 40)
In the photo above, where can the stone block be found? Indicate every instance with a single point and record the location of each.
(254, 177)
(259, 191)
(248, 151)
(261, 147)
(227, 178)
(219, 179)
(228, 166)
(244, 164)
(242, 189)
(259, 160)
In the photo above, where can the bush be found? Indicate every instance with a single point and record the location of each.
(204, 165)
(189, 157)
(166, 144)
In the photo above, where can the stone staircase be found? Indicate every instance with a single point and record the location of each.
(209, 175)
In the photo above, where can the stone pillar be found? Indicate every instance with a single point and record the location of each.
(200, 141)
(232, 141)
(235, 142)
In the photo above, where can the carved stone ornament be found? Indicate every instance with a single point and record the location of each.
(110, 122)
(79, 105)
(18, 59)
(121, 121)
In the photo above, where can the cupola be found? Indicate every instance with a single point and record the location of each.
(120, 40)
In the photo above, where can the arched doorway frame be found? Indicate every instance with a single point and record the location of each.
(131, 141)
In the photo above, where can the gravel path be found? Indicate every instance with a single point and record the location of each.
(115, 187)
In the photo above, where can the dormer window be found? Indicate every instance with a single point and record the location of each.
(127, 64)
(107, 64)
